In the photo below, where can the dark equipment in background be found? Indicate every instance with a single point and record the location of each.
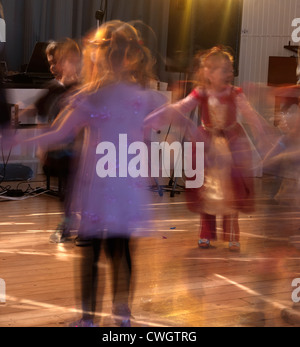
(282, 71)
(199, 25)
(15, 172)
(101, 15)
(37, 70)
(5, 113)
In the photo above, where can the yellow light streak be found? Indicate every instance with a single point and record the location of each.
(277, 305)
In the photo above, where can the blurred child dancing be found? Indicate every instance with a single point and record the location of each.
(228, 184)
(114, 100)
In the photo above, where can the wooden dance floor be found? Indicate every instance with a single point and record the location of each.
(175, 284)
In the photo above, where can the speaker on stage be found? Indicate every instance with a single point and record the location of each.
(199, 25)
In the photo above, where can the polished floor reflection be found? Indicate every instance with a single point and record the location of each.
(175, 282)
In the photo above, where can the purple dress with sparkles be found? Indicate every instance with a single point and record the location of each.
(110, 206)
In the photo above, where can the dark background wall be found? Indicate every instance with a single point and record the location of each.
(200, 25)
(31, 21)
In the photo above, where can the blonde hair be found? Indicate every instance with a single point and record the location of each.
(113, 53)
(209, 59)
(59, 51)
(51, 48)
(1, 11)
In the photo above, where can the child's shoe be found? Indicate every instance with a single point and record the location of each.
(234, 246)
(204, 243)
(122, 315)
(83, 323)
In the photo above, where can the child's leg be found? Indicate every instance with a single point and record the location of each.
(231, 229)
(119, 252)
(89, 277)
(207, 229)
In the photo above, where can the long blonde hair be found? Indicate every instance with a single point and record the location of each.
(209, 59)
(1, 11)
(114, 53)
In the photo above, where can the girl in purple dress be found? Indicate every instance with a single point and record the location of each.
(110, 200)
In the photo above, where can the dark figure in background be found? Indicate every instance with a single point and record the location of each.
(47, 105)
(64, 59)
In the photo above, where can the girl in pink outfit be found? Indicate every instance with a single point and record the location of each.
(228, 184)
(111, 107)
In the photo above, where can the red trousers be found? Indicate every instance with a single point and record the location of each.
(208, 227)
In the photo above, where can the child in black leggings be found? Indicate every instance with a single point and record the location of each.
(117, 249)
(109, 195)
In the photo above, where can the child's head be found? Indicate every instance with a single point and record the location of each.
(64, 58)
(215, 68)
(68, 61)
(115, 52)
(51, 53)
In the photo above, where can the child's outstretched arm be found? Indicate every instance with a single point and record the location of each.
(249, 115)
(264, 134)
(174, 114)
(57, 134)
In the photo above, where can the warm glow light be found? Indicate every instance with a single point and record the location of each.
(168, 203)
(252, 292)
(12, 223)
(187, 20)
(36, 214)
(175, 220)
(63, 309)
(226, 21)
(239, 259)
(61, 256)
(26, 232)
(44, 214)
(24, 252)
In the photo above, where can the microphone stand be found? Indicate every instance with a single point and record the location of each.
(99, 15)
